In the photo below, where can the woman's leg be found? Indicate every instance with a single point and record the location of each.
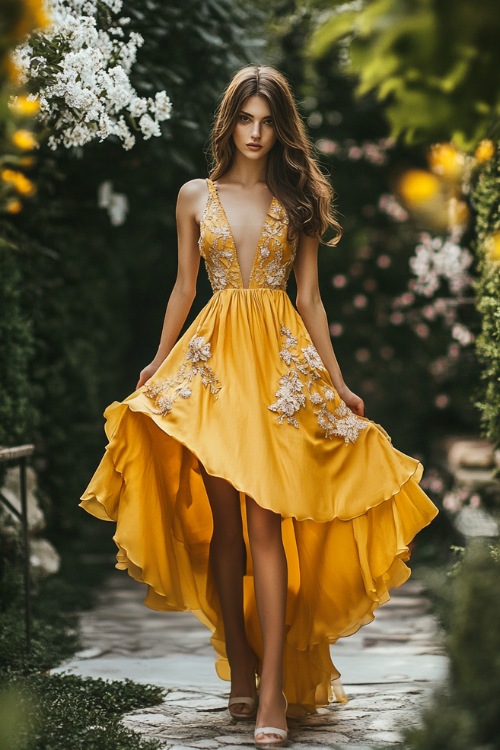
(227, 562)
(270, 575)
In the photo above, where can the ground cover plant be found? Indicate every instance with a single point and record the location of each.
(44, 711)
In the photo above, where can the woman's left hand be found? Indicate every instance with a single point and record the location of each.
(354, 402)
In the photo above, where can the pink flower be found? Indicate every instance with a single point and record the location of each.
(326, 146)
(422, 330)
(336, 329)
(451, 502)
(339, 281)
(383, 261)
(360, 301)
(364, 252)
(362, 355)
(355, 153)
(408, 298)
(475, 501)
(442, 401)
(387, 352)
(396, 318)
(436, 484)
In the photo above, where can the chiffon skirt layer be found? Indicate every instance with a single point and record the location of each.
(349, 508)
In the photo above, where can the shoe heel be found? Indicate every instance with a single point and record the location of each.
(269, 744)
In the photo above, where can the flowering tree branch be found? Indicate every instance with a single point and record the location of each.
(78, 69)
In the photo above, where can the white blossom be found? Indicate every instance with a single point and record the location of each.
(79, 67)
(149, 126)
(115, 203)
(438, 259)
(462, 334)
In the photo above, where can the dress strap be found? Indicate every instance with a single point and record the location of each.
(211, 188)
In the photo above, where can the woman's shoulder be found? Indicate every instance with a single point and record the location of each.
(193, 189)
(192, 198)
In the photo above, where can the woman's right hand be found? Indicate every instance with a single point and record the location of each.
(146, 373)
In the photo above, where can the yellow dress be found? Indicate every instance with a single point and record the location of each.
(245, 392)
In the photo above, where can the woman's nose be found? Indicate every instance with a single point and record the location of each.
(256, 130)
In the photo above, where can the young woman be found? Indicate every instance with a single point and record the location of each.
(246, 482)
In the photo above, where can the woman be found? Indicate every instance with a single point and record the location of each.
(246, 482)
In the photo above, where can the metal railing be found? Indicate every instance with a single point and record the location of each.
(19, 454)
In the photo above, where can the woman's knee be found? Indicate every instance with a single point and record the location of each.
(228, 536)
(264, 526)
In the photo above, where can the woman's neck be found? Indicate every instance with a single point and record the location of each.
(247, 172)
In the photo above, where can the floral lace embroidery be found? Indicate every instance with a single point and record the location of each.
(215, 244)
(274, 255)
(165, 392)
(271, 267)
(292, 394)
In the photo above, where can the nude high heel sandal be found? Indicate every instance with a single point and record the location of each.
(247, 701)
(269, 741)
(253, 702)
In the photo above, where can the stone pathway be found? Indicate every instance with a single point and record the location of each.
(389, 668)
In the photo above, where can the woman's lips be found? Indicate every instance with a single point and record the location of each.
(254, 146)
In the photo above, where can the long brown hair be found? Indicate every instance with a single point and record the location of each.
(293, 175)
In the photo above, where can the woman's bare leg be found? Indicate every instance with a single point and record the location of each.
(270, 575)
(227, 562)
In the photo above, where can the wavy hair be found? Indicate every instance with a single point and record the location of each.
(293, 174)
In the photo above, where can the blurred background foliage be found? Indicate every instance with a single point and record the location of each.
(464, 711)
(434, 64)
(431, 66)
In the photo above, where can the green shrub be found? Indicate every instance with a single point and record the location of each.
(17, 413)
(486, 198)
(464, 713)
(66, 712)
(42, 711)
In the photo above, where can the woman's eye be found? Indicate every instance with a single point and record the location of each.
(243, 118)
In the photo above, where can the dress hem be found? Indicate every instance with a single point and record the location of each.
(387, 494)
(89, 501)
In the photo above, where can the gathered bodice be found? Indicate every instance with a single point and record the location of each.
(274, 253)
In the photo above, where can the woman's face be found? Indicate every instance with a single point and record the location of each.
(254, 134)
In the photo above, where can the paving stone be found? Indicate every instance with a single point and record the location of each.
(389, 669)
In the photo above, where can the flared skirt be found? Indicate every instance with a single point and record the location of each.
(244, 393)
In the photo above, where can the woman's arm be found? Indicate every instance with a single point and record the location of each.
(183, 292)
(312, 312)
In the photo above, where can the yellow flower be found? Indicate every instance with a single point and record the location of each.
(12, 70)
(18, 181)
(25, 107)
(447, 161)
(25, 187)
(8, 175)
(24, 140)
(492, 247)
(14, 206)
(32, 17)
(485, 150)
(458, 213)
(417, 186)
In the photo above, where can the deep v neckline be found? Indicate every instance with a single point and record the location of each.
(231, 235)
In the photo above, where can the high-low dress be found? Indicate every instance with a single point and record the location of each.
(245, 392)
